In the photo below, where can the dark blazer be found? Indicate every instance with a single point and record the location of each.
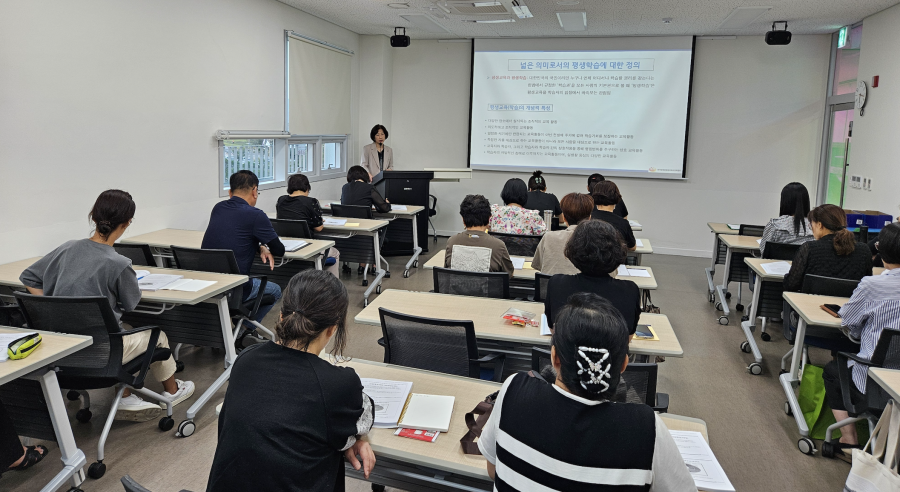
(819, 258)
(359, 193)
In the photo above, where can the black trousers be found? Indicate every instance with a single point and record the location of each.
(10, 446)
(833, 394)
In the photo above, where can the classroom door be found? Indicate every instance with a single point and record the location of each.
(839, 152)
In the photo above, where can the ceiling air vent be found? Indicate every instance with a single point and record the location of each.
(476, 7)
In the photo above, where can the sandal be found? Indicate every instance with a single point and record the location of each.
(33, 456)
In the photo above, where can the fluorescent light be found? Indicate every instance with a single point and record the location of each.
(522, 11)
(741, 17)
(494, 21)
(425, 23)
(572, 21)
(486, 4)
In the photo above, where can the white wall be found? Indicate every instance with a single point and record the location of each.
(756, 121)
(875, 148)
(111, 94)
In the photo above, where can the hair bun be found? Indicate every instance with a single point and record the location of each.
(537, 174)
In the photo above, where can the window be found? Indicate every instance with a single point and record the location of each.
(331, 156)
(846, 64)
(300, 158)
(253, 155)
(317, 156)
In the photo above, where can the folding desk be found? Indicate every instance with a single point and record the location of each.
(643, 249)
(161, 241)
(353, 243)
(39, 367)
(889, 379)
(442, 466)
(718, 253)
(810, 313)
(743, 245)
(195, 318)
(494, 333)
(635, 225)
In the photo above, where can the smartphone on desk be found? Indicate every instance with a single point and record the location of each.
(831, 309)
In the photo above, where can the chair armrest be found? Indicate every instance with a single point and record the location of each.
(138, 381)
(499, 361)
(491, 358)
(662, 403)
(848, 356)
(381, 341)
(133, 331)
(263, 280)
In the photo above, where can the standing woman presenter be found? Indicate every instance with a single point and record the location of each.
(377, 156)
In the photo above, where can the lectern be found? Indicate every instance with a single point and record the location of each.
(405, 188)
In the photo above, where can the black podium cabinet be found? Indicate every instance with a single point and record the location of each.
(405, 188)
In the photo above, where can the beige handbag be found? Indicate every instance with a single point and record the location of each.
(876, 471)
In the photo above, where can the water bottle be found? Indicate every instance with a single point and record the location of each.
(548, 218)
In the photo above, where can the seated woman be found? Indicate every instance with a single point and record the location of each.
(568, 435)
(13, 455)
(292, 432)
(512, 217)
(834, 253)
(621, 210)
(298, 205)
(550, 258)
(538, 198)
(791, 226)
(475, 211)
(596, 250)
(358, 191)
(606, 196)
(91, 267)
(874, 307)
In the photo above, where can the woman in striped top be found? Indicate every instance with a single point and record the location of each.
(569, 435)
(874, 307)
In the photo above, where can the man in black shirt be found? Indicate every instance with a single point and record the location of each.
(606, 195)
(621, 210)
(237, 224)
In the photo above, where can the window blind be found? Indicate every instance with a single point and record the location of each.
(319, 89)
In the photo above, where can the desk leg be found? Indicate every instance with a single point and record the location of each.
(748, 327)
(159, 257)
(187, 427)
(73, 458)
(414, 261)
(792, 379)
(711, 271)
(379, 272)
(722, 290)
(319, 262)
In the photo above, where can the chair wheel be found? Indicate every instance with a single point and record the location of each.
(365, 282)
(754, 368)
(96, 470)
(179, 365)
(739, 307)
(387, 274)
(406, 274)
(827, 449)
(787, 409)
(718, 306)
(74, 489)
(186, 428)
(359, 270)
(745, 318)
(806, 446)
(765, 337)
(378, 289)
(84, 415)
(728, 295)
(745, 347)
(73, 395)
(166, 424)
(723, 320)
(416, 264)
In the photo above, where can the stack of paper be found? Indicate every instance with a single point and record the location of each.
(333, 222)
(292, 245)
(156, 281)
(633, 223)
(624, 271)
(777, 267)
(189, 285)
(734, 227)
(639, 243)
(428, 412)
(701, 462)
(518, 262)
(390, 398)
(8, 338)
(398, 207)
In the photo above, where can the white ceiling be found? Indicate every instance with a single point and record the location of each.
(604, 17)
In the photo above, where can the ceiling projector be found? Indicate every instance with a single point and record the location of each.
(780, 38)
(399, 40)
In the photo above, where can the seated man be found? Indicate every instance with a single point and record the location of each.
(237, 224)
(476, 213)
(874, 307)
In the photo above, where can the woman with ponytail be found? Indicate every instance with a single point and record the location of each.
(568, 435)
(538, 198)
(835, 252)
(290, 417)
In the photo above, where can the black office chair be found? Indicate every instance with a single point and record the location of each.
(476, 284)
(431, 213)
(751, 230)
(887, 356)
(439, 345)
(292, 228)
(352, 211)
(637, 384)
(132, 486)
(780, 251)
(139, 254)
(519, 244)
(541, 280)
(223, 261)
(100, 364)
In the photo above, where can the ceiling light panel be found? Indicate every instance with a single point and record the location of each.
(572, 21)
(742, 17)
(476, 8)
(424, 23)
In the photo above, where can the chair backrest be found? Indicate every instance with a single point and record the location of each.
(540, 358)
(828, 286)
(541, 280)
(431, 207)
(139, 254)
(471, 258)
(640, 384)
(751, 230)
(351, 211)
(88, 316)
(887, 350)
(440, 345)
(519, 244)
(292, 228)
(206, 260)
(780, 251)
(477, 284)
(131, 485)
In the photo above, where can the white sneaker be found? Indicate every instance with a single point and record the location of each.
(134, 409)
(185, 390)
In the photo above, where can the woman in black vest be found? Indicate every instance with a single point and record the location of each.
(568, 435)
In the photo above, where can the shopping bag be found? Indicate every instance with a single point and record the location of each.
(876, 471)
(815, 410)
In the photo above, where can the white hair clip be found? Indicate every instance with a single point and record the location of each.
(595, 369)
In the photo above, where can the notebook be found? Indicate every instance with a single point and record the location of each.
(398, 207)
(389, 397)
(156, 281)
(292, 245)
(701, 462)
(333, 222)
(776, 267)
(734, 227)
(189, 285)
(427, 412)
(518, 262)
(639, 243)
